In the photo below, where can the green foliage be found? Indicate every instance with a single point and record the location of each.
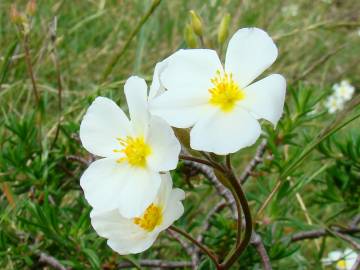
(42, 208)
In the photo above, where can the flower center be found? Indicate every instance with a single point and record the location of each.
(226, 92)
(341, 264)
(151, 218)
(135, 150)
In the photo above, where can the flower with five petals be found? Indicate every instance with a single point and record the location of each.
(134, 152)
(134, 235)
(222, 104)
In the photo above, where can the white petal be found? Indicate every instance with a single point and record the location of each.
(249, 53)
(265, 98)
(174, 208)
(157, 88)
(132, 246)
(164, 190)
(181, 110)
(103, 122)
(335, 255)
(350, 257)
(139, 192)
(136, 97)
(351, 260)
(124, 236)
(165, 147)
(111, 224)
(108, 185)
(326, 261)
(191, 70)
(102, 183)
(224, 133)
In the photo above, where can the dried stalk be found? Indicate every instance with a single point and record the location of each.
(256, 241)
(30, 68)
(356, 265)
(313, 234)
(156, 263)
(258, 158)
(208, 172)
(190, 250)
(51, 261)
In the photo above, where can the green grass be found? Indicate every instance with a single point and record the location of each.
(42, 208)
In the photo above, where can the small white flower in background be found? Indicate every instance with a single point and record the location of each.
(343, 260)
(344, 90)
(290, 10)
(134, 235)
(134, 152)
(334, 104)
(222, 105)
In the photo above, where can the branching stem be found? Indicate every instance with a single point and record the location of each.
(207, 251)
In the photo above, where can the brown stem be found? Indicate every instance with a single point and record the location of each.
(228, 162)
(206, 225)
(347, 239)
(321, 233)
(260, 248)
(79, 159)
(51, 261)
(156, 264)
(188, 248)
(208, 252)
(203, 161)
(239, 217)
(208, 172)
(356, 265)
(233, 256)
(30, 67)
(8, 194)
(260, 151)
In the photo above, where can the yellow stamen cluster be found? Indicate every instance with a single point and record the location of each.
(341, 264)
(135, 149)
(151, 218)
(226, 92)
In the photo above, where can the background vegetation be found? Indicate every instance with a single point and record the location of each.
(43, 213)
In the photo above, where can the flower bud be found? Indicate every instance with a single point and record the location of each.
(223, 31)
(31, 7)
(190, 37)
(196, 23)
(15, 15)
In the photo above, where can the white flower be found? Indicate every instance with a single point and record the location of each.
(134, 152)
(344, 260)
(222, 105)
(344, 90)
(134, 235)
(157, 88)
(334, 104)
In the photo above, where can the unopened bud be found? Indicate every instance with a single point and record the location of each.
(196, 23)
(15, 15)
(31, 7)
(190, 37)
(223, 31)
